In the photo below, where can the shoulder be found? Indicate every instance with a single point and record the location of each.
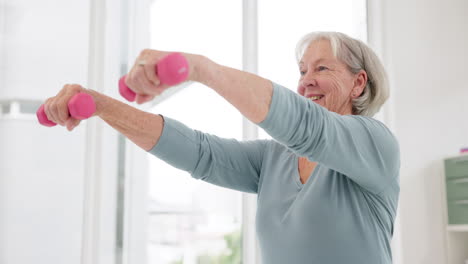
(373, 126)
(384, 140)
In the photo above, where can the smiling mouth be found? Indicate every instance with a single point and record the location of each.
(315, 98)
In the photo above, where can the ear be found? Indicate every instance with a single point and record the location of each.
(360, 82)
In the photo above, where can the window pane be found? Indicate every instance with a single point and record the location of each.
(282, 25)
(43, 45)
(191, 221)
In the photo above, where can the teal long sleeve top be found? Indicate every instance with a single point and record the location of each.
(345, 211)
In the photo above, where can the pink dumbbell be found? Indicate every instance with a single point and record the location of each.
(171, 70)
(81, 106)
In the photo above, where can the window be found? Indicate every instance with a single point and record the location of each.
(282, 24)
(41, 169)
(191, 221)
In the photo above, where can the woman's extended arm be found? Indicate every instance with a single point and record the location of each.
(144, 129)
(224, 162)
(249, 93)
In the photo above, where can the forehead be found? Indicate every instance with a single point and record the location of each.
(318, 50)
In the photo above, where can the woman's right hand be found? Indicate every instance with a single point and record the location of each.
(56, 108)
(142, 78)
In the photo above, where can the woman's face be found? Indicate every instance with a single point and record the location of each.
(327, 81)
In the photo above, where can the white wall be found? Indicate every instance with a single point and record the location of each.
(426, 52)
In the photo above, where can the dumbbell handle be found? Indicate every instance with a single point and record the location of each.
(81, 106)
(171, 70)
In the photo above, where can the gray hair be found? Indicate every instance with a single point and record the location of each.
(357, 56)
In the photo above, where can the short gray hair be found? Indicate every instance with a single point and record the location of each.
(357, 56)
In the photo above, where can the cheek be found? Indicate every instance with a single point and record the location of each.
(327, 85)
(300, 89)
(333, 86)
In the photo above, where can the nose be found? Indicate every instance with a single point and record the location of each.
(307, 81)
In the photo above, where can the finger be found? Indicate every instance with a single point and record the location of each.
(47, 110)
(140, 99)
(62, 110)
(56, 111)
(50, 108)
(131, 81)
(161, 88)
(150, 72)
(142, 78)
(72, 123)
(64, 96)
(60, 103)
(147, 86)
(57, 106)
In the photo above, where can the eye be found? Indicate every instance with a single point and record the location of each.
(302, 72)
(322, 68)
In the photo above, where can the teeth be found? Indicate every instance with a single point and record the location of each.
(315, 97)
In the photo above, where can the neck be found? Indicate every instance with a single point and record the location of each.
(346, 109)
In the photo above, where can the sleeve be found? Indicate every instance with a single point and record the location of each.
(224, 162)
(359, 147)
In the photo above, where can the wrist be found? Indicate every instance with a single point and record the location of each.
(99, 100)
(200, 68)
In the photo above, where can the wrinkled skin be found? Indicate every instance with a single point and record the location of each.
(323, 74)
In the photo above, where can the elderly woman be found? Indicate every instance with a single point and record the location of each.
(328, 183)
